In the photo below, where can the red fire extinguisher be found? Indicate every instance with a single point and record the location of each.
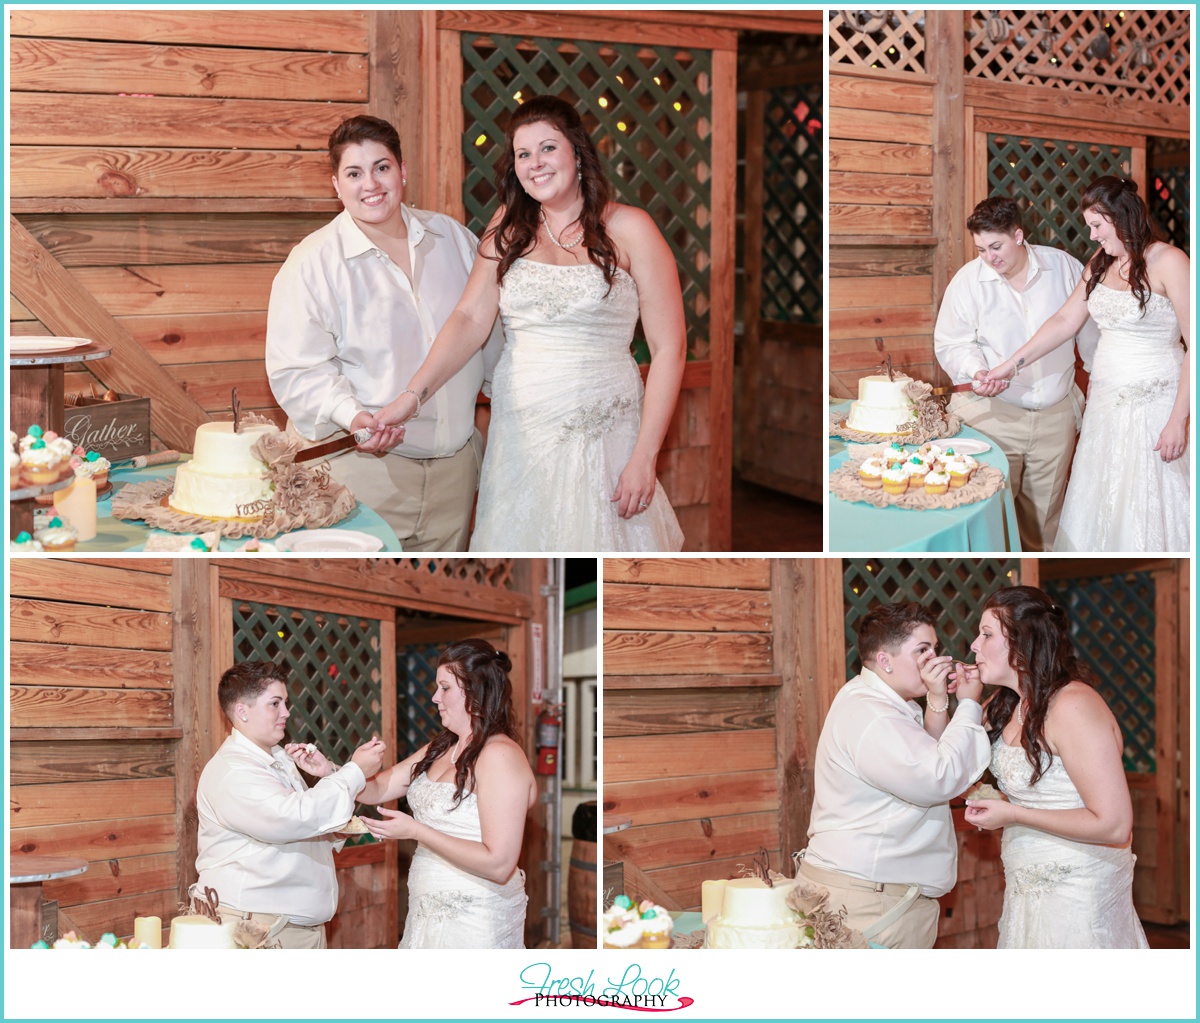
(549, 727)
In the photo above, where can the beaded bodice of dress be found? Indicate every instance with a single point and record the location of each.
(1123, 322)
(1054, 789)
(552, 307)
(432, 803)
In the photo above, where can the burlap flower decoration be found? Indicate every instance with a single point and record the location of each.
(828, 926)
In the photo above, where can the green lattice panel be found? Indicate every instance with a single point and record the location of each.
(335, 692)
(792, 283)
(1112, 626)
(419, 718)
(649, 110)
(1047, 176)
(955, 588)
(1170, 203)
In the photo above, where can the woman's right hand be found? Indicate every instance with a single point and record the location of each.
(997, 377)
(935, 672)
(383, 438)
(397, 411)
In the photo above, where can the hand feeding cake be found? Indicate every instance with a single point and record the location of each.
(224, 480)
(882, 406)
(200, 932)
(746, 913)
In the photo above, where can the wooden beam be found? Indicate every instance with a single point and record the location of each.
(644, 682)
(791, 588)
(193, 597)
(41, 283)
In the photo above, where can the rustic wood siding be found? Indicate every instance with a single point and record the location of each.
(689, 720)
(171, 173)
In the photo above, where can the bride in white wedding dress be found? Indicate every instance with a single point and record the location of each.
(1057, 756)
(1130, 486)
(469, 790)
(571, 450)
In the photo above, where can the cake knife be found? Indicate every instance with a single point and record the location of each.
(956, 389)
(333, 446)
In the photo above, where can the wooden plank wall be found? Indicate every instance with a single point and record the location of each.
(690, 692)
(94, 721)
(171, 172)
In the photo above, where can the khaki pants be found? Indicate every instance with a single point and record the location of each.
(426, 501)
(1039, 445)
(866, 902)
(283, 933)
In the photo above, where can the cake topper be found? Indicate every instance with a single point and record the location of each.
(237, 412)
(760, 867)
(887, 361)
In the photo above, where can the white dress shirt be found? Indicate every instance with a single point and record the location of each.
(983, 320)
(263, 840)
(883, 784)
(346, 330)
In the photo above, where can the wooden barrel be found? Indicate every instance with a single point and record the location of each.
(582, 901)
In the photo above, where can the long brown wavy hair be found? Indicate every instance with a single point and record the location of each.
(1041, 653)
(482, 671)
(1117, 199)
(516, 233)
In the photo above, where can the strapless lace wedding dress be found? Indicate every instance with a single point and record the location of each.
(1059, 893)
(1122, 495)
(566, 408)
(449, 907)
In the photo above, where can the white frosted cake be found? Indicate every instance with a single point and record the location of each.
(223, 480)
(746, 913)
(200, 932)
(882, 406)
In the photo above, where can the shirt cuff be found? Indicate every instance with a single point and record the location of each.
(973, 709)
(344, 412)
(353, 774)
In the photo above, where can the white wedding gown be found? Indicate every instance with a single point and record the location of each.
(566, 407)
(1122, 495)
(1059, 893)
(449, 907)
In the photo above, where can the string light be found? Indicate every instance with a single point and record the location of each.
(481, 140)
(620, 125)
(603, 101)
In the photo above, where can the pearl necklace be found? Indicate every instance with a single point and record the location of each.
(569, 245)
(454, 752)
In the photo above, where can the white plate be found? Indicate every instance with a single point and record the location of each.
(317, 541)
(45, 345)
(966, 446)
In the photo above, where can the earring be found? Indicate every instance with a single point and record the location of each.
(888, 669)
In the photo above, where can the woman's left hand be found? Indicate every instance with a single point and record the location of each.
(635, 487)
(1172, 442)
(310, 763)
(396, 824)
(990, 814)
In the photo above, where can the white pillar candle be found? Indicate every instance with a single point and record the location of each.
(148, 930)
(77, 504)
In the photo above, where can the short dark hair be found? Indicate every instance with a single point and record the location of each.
(995, 213)
(247, 681)
(362, 128)
(887, 626)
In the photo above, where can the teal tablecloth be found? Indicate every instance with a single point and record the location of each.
(989, 525)
(130, 535)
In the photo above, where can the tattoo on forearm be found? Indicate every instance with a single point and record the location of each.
(424, 393)
(1020, 362)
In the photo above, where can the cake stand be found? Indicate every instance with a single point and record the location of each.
(26, 878)
(22, 499)
(36, 384)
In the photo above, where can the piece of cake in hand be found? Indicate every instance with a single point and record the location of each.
(657, 925)
(621, 925)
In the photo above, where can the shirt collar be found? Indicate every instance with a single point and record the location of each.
(987, 272)
(244, 745)
(356, 243)
(873, 682)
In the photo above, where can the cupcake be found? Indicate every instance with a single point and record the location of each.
(870, 473)
(14, 468)
(895, 454)
(959, 469)
(916, 469)
(91, 465)
(621, 924)
(57, 535)
(41, 463)
(656, 925)
(256, 546)
(895, 480)
(937, 482)
(24, 544)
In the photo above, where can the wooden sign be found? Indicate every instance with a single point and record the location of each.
(115, 429)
